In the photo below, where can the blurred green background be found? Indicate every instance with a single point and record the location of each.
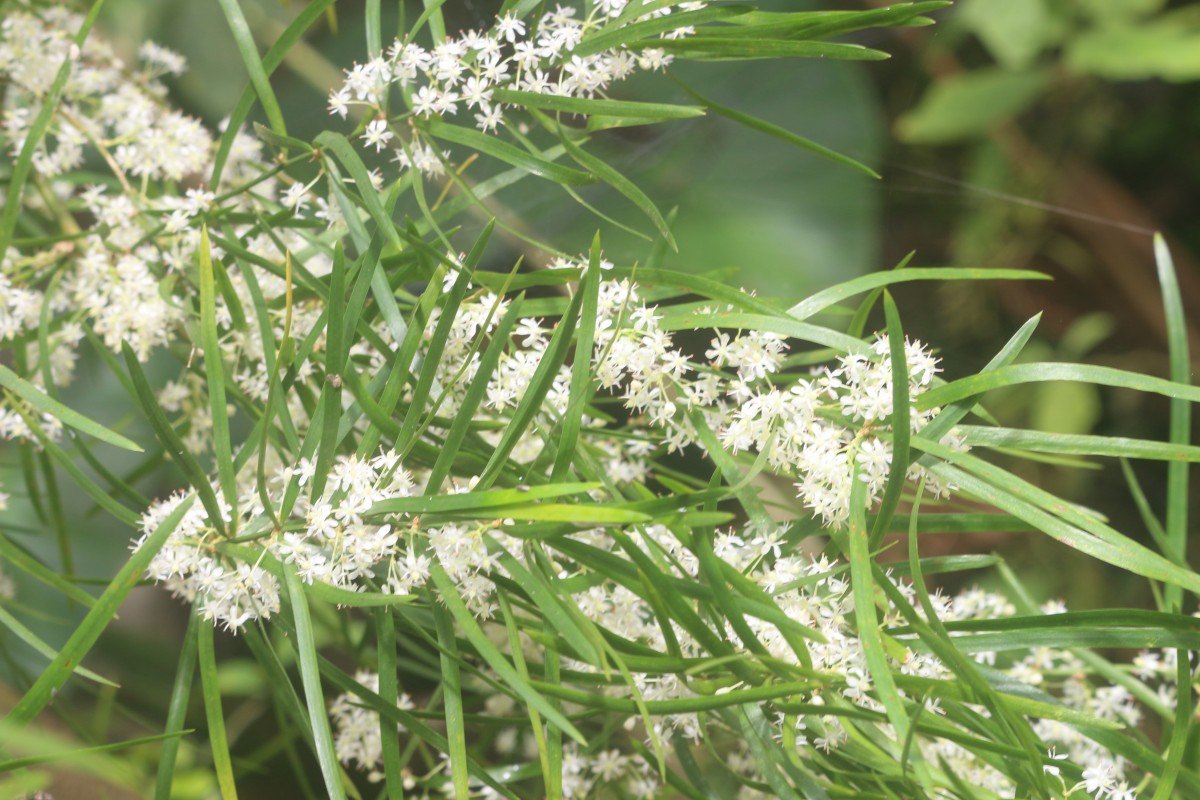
(1049, 134)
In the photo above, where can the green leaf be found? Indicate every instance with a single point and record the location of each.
(687, 321)
(1078, 444)
(581, 371)
(33, 640)
(750, 698)
(970, 104)
(177, 709)
(622, 184)
(835, 294)
(727, 49)
(1026, 706)
(1178, 495)
(385, 636)
(1167, 47)
(432, 15)
(867, 621)
(15, 555)
(621, 32)
(211, 689)
(271, 60)
(310, 677)
(1177, 747)
(97, 619)
(478, 501)
(539, 386)
(214, 370)
(336, 349)
(825, 24)
(280, 141)
(452, 701)
(244, 40)
(448, 594)
(900, 424)
(1048, 371)
(588, 514)
(628, 109)
(410, 721)
(779, 133)
(72, 419)
(345, 153)
(1068, 526)
(759, 736)
(1124, 627)
(953, 413)
(104, 499)
(78, 755)
(171, 442)
(555, 609)
(503, 151)
(473, 397)
(409, 431)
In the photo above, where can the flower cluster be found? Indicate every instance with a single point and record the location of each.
(116, 273)
(356, 735)
(331, 543)
(813, 593)
(472, 72)
(337, 546)
(192, 566)
(122, 273)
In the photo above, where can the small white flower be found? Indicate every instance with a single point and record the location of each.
(510, 27)
(377, 134)
(295, 197)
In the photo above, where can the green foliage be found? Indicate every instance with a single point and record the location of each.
(482, 513)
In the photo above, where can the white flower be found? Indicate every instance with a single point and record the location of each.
(377, 134)
(295, 197)
(510, 27)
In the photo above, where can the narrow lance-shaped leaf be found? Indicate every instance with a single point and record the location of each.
(473, 397)
(310, 677)
(171, 442)
(776, 131)
(618, 33)
(385, 637)
(244, 40)
(727, 49)
(448, 595)
(14, 555)
(30, 638)
(181, 691)
(345, 153)
(652, 112)
(97, 619)
(211, 689)
(622, 184)
(72, 419)
(867, 621)
(901, 427)
(865, 283)
(581, 370)
(503, 151)
(539, 386)
(1029, 373)
(215, 373)
(1181, 427)
(452, 699)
